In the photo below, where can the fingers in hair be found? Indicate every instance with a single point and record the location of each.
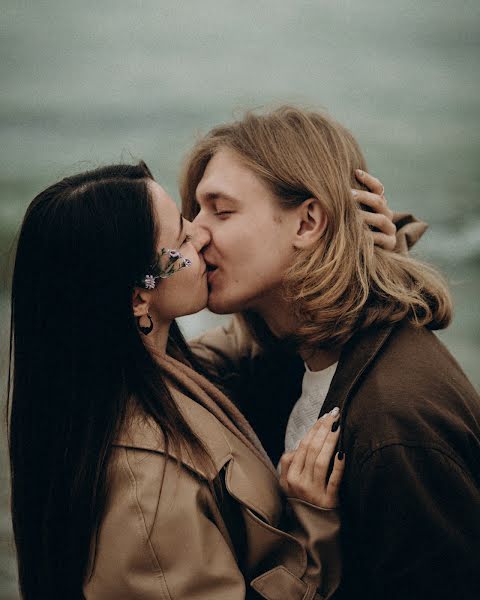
(372, 183)
(380, 221)
(377, 203)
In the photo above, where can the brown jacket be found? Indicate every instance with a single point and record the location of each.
(164, 536)
(411, 433)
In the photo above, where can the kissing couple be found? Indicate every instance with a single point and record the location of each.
(323, 444)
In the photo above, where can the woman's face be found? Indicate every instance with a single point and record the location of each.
(186, 291)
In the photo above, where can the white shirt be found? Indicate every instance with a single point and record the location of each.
(305, 413)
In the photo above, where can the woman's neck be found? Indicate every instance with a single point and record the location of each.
(156, 341)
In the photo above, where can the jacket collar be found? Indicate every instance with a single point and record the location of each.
(205, 393)
(357, 355)
(247, 478)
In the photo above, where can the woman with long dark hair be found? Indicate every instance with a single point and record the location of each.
(132, 475)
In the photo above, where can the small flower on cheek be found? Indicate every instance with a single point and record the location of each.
(166, 264)
(149, 282)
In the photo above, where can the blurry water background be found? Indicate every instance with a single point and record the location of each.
(86, 83)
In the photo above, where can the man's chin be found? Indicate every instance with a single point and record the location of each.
(219, 308)
(223, 306)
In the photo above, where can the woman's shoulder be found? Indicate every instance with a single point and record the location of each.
(142, 454)
(142, 433)
(153, 491)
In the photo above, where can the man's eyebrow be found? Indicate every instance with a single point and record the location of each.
(180, 232)
(212, 196)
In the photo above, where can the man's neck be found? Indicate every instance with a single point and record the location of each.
(318, 360)
(281, 320)
(278, 315)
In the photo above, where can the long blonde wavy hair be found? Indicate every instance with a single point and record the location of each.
(345, 283)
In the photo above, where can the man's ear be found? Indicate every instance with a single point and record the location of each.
(311, 224)
(140, 302)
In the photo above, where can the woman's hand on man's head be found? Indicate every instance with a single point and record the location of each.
(375, 210)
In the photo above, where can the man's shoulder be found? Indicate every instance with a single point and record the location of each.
(413, 393)
(414, 365)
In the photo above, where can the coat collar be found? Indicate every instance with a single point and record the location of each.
(248, 479)
(228, 437)
(357, 355)
(201, 390)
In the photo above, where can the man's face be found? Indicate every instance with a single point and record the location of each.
(251, 236)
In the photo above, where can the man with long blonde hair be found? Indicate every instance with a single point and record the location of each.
(326, 319)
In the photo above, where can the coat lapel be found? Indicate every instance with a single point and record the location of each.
(205, 393)
(356, 357)
(250, 476)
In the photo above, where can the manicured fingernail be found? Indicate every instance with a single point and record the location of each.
(334, 412)
(340, 455)
(354, 193)
(323, 416)
(359, 172)
(335, 426)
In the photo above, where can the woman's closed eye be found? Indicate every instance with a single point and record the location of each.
(188, 238)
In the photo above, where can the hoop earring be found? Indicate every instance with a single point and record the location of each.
(145, 330)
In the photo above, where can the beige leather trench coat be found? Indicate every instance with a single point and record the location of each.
(165, 536)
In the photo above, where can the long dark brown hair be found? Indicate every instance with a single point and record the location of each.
(76, 361)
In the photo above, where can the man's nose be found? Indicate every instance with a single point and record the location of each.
(201, 236)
